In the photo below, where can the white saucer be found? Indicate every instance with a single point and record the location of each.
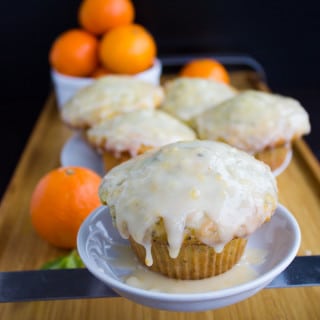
(285, 163)
(76, 151)
(101, 249)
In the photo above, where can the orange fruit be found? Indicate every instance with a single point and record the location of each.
(60, 202)
(205, 68)
(127, 49)
(74, 53)
(99, 16)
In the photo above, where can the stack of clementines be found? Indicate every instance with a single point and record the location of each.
(107, 41)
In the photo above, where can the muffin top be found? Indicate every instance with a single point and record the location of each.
(129, 131)
(108, 96)
(203, 188)
(186, 97)
(254, 120)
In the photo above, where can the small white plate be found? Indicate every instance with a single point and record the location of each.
(76, 151)
(284, 165)
(101, 249)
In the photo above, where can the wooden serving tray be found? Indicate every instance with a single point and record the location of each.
(22, 249)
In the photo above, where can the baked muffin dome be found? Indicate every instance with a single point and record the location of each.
(127, 132)
(254, 121)
(108, 96)
(187, 97)
(202, 189)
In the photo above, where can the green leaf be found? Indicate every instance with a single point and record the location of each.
(70, 261)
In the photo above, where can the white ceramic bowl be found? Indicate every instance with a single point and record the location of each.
(66, 86)
(102, 250)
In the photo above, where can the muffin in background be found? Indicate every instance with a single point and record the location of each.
(260, 123)
(127, 135)
(186, 97)
(108, 96)
(189, 207)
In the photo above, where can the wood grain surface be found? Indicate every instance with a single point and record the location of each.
(22, 249)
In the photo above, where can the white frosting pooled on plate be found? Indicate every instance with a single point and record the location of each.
(254, 120)
(129, 131)
(208, 187)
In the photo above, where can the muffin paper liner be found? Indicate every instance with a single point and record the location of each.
(110, 161)
(195, 260)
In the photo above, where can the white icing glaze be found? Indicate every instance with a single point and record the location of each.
(240, 273)
(218, 191)
(128, 131)
(110, 95)
(187, 97)
(139, 276)
(254, 120)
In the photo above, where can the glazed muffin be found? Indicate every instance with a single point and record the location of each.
(186, 97)
(129, 134)
(189, 207)
(260, 123)
(108, 96)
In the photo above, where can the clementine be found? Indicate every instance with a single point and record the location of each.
(60, 202)
(99, 16)
(127, 49)
(74, 53)
(205, 68)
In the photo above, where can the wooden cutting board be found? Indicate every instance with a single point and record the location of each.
(22, 249)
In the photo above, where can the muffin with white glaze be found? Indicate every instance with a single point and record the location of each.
(187, 97)
(108, 96)
(260, 123)
(189, 207)
(127, 135)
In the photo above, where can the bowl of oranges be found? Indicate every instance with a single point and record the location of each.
(107, 41)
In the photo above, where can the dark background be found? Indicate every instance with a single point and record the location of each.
(282, 35)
